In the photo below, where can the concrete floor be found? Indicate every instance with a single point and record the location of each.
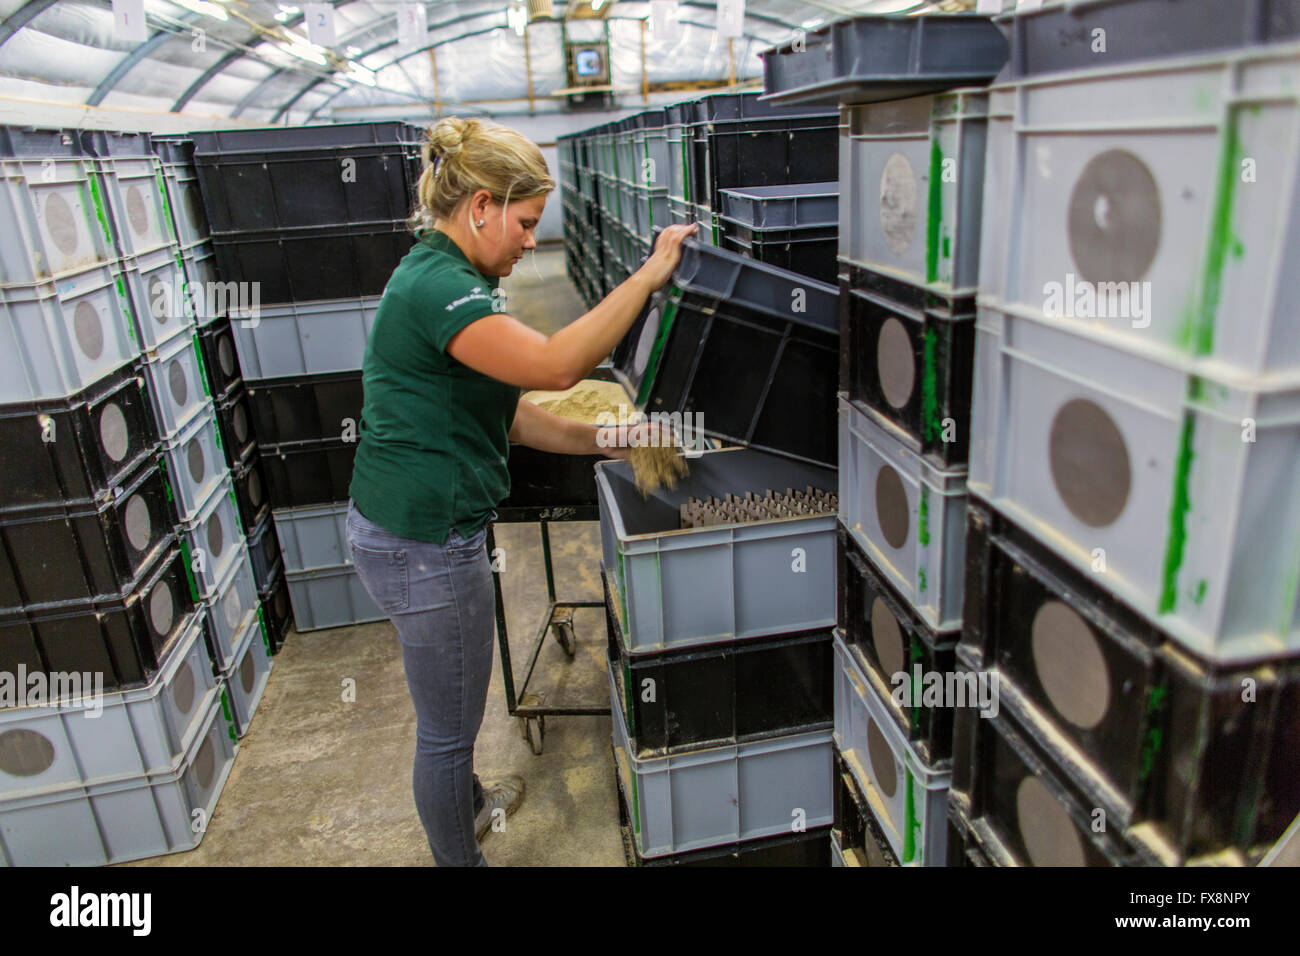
(321, 782)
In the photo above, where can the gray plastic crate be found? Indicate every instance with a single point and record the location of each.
(156, 283)
(58, 337)
(681, 587)
(906, 515)
(679, 138)
(195, 463)
(210, 298)
(113, 735)
(177, 385)
(228, 612)
(1174, 490)
(127, 819)
(246, 679)
(652, 147)
(213, 540)
(330, 597)
(684, 213)
(186, 202)
(51, 208)
(914, 187)
(908, 799)
(137, 200)
(1127, 208)
(793, 206)
(313, 537)
(305, 338)
(709, 797)
(865, 59)
(650, 210)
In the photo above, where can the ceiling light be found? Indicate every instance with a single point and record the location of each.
(209, 9)
(814, 22)
(282, 17)
(362, 75)
(290, 8)
(302, 53)
(354, 51)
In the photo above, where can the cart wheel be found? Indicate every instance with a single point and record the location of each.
(563, 631)
(535, 733)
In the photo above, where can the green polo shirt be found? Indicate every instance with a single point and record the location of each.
(434, 432)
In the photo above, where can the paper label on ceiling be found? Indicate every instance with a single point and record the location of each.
(320, 24)
(731, 18)
(128, 21)
(412, 27)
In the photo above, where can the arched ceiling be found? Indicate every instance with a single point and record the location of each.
(248, 60)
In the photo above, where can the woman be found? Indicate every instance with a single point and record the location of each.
(443, 373)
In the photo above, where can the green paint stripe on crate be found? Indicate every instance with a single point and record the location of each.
(1176, 542)
(934, 214)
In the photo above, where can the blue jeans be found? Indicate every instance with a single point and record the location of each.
(440, 598)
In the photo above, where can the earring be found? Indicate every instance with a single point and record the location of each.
(479, 223)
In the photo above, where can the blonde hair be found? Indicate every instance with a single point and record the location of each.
(462, 156)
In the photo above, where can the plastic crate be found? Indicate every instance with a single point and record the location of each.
(907, 797)
(63, 553)
(310, 264)
(679, 135)
(264, 551)
(251, 492)
(908, 517)
(856, 840)
(123, 637)
(235, 421)
(751, 350)
(894, 647)
(277, 610)
(649, 210)
(76, 449)
(786, 206)
(912, 200)
(1180, 485)
(195, 464)
(53, 208)
(228, 610)
(156, 283)
(306, 338)
(724, 795)
(908, 354)
(330, 597)
(127, 819)
(177, 385)
(306, 407)
(308, 473)
(246, 678)
(58, 338)
(684, 213)
(221, 360)
(210, 298)
(214, 540)
(687, 700)
(968, 845)
(1157, 734)
(809, 252)
(137, 202)
(1058, 37)
(1142, 227)
(94, 737)
(863, 59)
(726, 582)
(313, 537)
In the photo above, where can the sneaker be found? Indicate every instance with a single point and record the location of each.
(504, 794)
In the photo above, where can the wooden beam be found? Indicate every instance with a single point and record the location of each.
(645, 76)
(528, 69)
(437, 98)
(731, 61)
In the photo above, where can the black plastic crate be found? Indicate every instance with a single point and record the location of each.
(125, 638)
(220, 359)
(264, 551)
(889, 638)
(540, 479)
(967, 847)
(251, 494)
(806, 849)
(908, 354)
(319, 262)
(305, 407)
(858, 837)
(76, 449)
(235, 424)
(285, 177)
(277, 610)
(63, 553)
(809, 252)
(308, 473)
(684, 700)
(727, 342)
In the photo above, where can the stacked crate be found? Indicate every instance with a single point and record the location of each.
(911, 169)
(721, 590)
(1132, 563)
(105, 568)
(311, 222)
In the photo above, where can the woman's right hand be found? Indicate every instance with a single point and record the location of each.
(658, 269)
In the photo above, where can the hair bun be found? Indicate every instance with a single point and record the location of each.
(447, 138)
